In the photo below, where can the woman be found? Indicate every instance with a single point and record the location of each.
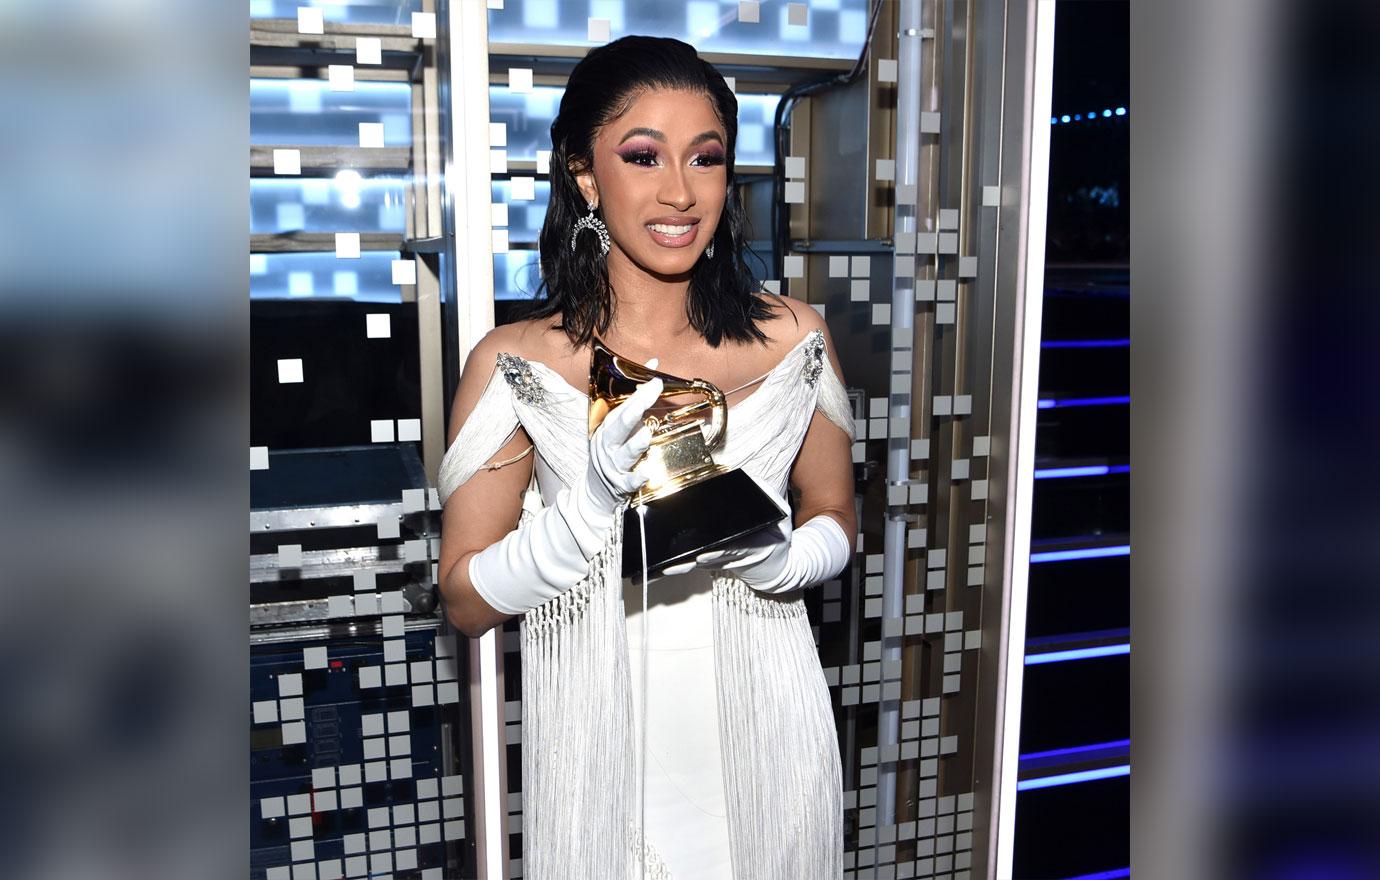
(642, 246)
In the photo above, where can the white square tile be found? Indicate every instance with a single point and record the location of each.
(524, 189)
(543, 161)
(498, 213)
(258, 458)
(886, 70)
(289, 555)
(424, 25)
(368, 50)
(597, 30)
(498, 161)
(378, 325)
(287, 161)
(499, 241)
(795, 167)
(413, 500)
(341, 77)
(749, 11)
(381, 430)
(404, 271)
(795, 192)
(272, 808)
(347, 245)
(793, 266)
(409, 430)
(289, 370)
(371, 135)
(886, 169)
(310, 20)
(797, 14)
(520, 80)
(498, 134)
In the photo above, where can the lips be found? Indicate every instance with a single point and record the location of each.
(673, 231)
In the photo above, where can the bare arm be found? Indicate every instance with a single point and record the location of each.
(483, 509)
(823, 469)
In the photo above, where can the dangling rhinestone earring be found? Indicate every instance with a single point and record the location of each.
(709, 251)
(589, 221)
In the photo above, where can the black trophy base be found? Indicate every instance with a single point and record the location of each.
(700, 517)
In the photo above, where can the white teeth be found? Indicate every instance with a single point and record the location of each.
(669, 230)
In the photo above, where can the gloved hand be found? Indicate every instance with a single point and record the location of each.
(552, 552)
(780, 559)
(759, 556)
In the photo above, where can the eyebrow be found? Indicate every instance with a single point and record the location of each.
(658, 136)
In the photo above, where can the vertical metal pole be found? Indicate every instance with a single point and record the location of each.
(907, 153)
(467, 187)
(1038, 85)
(428, 225)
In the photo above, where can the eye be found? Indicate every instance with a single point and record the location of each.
(640, 157)
(709, 160)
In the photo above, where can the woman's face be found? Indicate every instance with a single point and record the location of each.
(660, 180)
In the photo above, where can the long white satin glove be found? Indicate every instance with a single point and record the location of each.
(552, 551)
(780, 559)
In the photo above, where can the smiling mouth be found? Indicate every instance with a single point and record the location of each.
(670, 230)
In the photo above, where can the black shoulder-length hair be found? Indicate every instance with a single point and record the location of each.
(722, 301)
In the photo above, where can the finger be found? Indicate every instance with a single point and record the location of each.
(678, 569)
(625, 457)
(709, 556)
(630, 411)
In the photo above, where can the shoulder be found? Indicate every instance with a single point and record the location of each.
(532, 339)
(792, 320)
(524, 339)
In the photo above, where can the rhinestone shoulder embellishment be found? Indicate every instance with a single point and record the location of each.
(814, 357)
(521, 379)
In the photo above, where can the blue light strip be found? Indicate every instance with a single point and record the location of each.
(1085, 553)
(1114, 874)
(1071, 778)
(1092, 470)
(1077, 654)
(1088, 117)
(1075, 750)
(1086, 343)
(1055, 402)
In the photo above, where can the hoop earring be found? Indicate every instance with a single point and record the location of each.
(589, 221)
(709, 251)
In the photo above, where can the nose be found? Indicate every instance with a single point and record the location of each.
(675, 189)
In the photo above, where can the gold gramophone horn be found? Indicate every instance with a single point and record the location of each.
(680, 453)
